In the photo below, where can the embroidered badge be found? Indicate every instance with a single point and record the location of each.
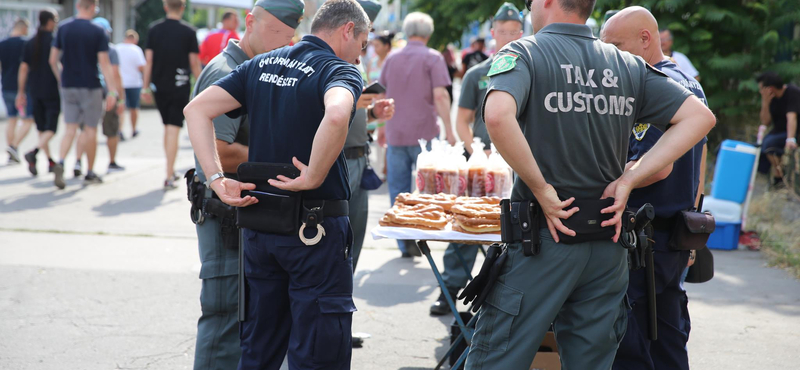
(503, 63)
(640, 130)
(483, 83)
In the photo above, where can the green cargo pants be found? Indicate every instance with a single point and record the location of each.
(580, 288)
(217, 346)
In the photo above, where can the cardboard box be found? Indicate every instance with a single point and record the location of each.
(547, 358)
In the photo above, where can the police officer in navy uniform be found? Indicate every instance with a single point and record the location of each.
(269, 25)
(670, 191)
(300, 101)
(560, 108)
(506, 27)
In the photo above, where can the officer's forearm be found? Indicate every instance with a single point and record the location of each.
(231, 155)
(504, 130)
(463, 119)
(212, 102)
(691, 123)
(330, 137)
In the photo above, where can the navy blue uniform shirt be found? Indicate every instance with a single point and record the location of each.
(283, 93)
(679, 190)
(10, 55)
(79, 41)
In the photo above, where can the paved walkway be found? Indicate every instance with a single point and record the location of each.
(105, 277)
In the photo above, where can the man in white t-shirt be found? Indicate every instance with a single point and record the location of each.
(680, 59)
(131, 66)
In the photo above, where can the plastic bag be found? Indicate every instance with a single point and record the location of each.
(499, 176)
(476, 175)
(426, 170)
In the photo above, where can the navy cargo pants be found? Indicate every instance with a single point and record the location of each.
(299, 299)
(636, 351)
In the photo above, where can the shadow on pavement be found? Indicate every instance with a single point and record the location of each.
(140, 203)
(765, 288)
(36, 201)
(16, 180)
(393, 283)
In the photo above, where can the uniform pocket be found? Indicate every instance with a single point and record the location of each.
(496, 319)
(621, 324)
(332, 330)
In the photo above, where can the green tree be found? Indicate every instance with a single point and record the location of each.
(729, 42)
(149, 11)
(452, 17)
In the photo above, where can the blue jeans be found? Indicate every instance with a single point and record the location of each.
(400, 162)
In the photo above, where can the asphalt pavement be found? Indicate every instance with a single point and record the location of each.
(106, 277)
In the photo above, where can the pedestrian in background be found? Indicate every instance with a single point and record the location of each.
(172, 55)
(131, 66)
(111, 118)
(217, 40)
(81, 45)
(36, 76)
(10, 54)
(416, 78)
(680, 59)
(780, 106)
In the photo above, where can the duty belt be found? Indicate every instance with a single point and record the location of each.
(355, 152)
(313, 214)
(664, 223)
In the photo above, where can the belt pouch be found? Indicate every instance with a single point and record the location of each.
(692, 230)
(586, 222)
(277, 211)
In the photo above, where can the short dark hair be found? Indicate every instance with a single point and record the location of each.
(228, 14)
(175, 5)
(583, 8)
(336, 13)
(770, 79)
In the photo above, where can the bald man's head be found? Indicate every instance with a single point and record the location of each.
(635, 30)
(265, 32)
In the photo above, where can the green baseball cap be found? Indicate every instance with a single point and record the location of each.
(372, 8)
(508, 12)
(287, 11)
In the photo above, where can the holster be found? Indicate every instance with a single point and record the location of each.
(637, 237)
(480, 287)
(520, 223)
(204, 208)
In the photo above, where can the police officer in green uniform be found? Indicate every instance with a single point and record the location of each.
(270, 25)
(506, 27)
(356, 147)
(560, 108)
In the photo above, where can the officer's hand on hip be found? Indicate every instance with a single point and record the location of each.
(554, 212)
(620, 191)
(299, 183)
(229, 192)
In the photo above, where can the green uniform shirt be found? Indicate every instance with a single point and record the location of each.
(229, 130)
(577, 101)
(357, 134)
(473, 90)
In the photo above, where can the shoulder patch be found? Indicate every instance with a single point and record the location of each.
(503, 63)
(640, 130)
(483, 83)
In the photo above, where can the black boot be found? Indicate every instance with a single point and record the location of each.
(440, 307)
